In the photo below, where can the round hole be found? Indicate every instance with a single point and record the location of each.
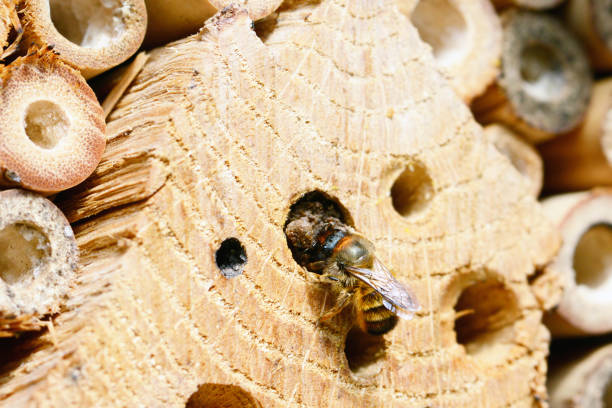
(45, 123)
(221, 396)
(542, 71)
(412, 191)
(443, 27)
(593, 257)
(365, 353)
(91, 23)
(484, 316)
(23, 250)
(231, 258)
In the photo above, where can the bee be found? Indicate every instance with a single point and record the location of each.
(342, 256)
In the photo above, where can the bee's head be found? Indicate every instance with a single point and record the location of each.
(355, 250)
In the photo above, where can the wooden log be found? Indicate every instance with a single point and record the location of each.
(581, 375)
(170, 20)
(583, 159)
(454, 29)
(236, 131)
(38, 260)
(545, 81)
(522, 155)
(583, 263)
(591, 21)
(92, 36)
(52, 127)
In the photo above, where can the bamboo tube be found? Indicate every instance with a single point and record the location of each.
(591, 20)
(584, 262)
(583, 159)
(52, 127)
(581, 378)
(10, 28)
(92, 35)
(170, 20)
(38, 259)
(521, 154)
(454, 30)
(527, 4)
(545, 83)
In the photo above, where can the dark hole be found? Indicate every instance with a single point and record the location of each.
(231, 258)
(364, 352)
(221, 396)
(485, 314)
(307, 217)
(412, 191)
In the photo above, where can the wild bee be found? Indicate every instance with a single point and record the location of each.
(342, 256)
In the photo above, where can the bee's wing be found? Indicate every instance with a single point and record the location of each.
(396, 297)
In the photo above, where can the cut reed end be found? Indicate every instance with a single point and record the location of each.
(93, 36)
(545, 83)
(584, 262)
(452, 28)
(38, 258)
(52, 127)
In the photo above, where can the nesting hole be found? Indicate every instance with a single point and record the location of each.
(231, 258)
(484, 316)
(221, 396)
(412, 190)
(45, 123)
(443, 27)
(593, 257)
(91, 23)
(542, 71)
(23, 250)
(365, 353)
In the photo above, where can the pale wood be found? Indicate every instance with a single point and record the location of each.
(545, 82)
(92, 36)
(582, 377)
(521, 154)
(170, 20)
(593, 27)
(583, 159)
(126, 76)
(466, 38)
(583, 264)
(234, 131)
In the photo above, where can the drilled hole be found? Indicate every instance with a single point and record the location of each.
(306, 219)
(542, 71)
(593, 258)
(231, 258)
(365, 353)
(443, 27)
(412, 191)
(23, 250)
(91, 23)
(485, 313)
(221, 396)
(45, 123)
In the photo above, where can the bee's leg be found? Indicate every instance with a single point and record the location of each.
(341, 303)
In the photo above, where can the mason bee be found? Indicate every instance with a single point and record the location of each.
(342, 256)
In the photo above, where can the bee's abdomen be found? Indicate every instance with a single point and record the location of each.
(373, 317)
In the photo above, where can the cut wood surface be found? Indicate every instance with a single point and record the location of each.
(456, 30)
(584, 263)
(216, 138)
(583, 159)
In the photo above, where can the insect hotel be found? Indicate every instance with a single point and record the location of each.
(306, 203)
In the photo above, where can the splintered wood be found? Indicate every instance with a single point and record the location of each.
(216, 138)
